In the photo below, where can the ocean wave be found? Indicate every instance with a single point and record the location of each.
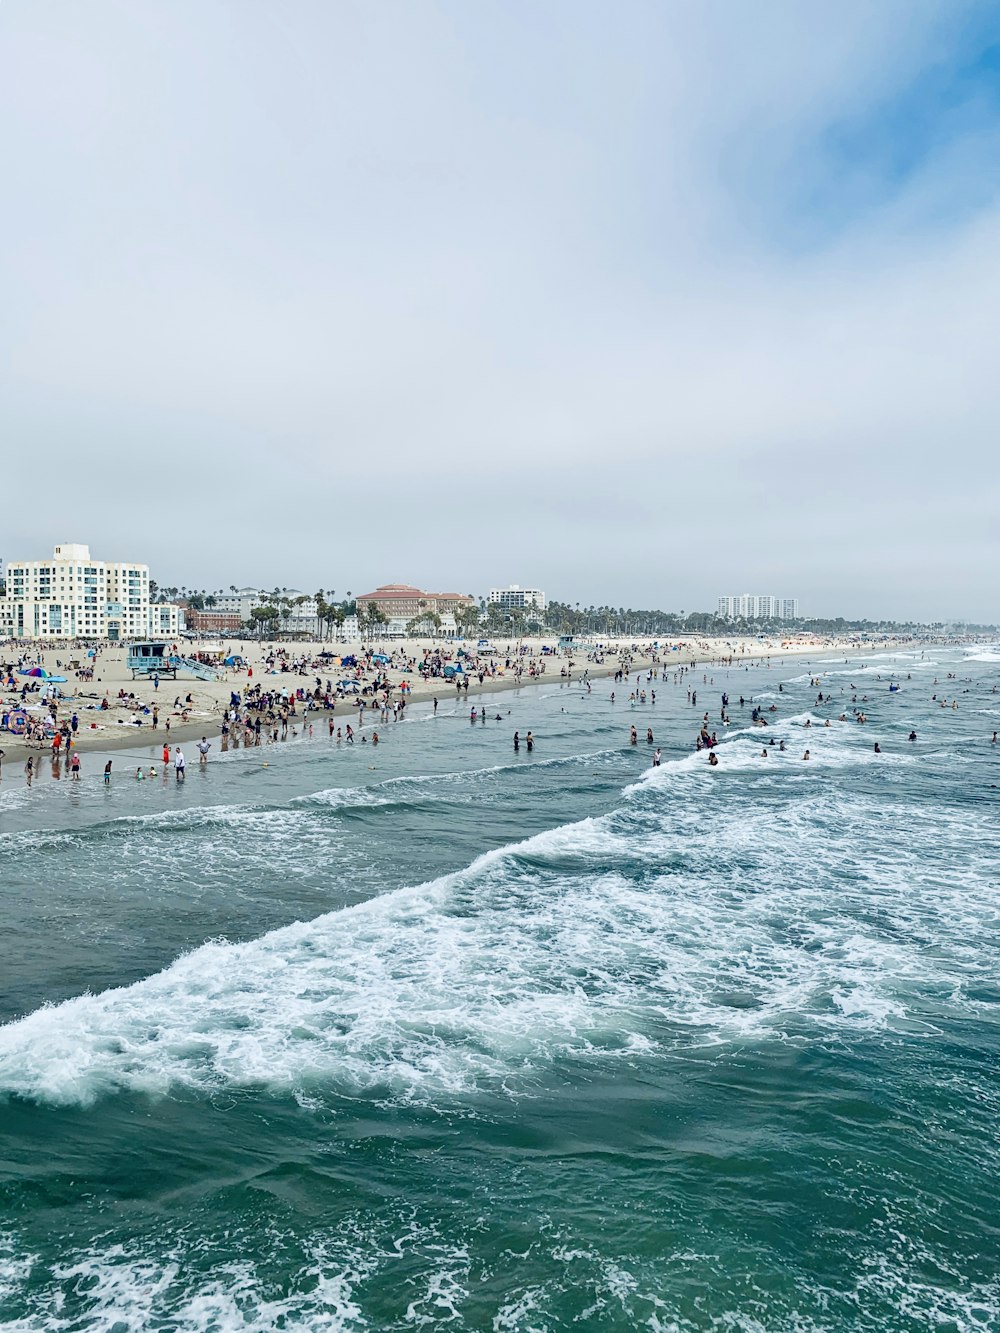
(575, 944)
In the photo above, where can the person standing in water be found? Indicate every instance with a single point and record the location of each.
(29, 769)
(107, 774)
(529, 741)
(656, 759)
(180, 763)
(517, 741)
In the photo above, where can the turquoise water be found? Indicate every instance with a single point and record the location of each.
(435, 1035)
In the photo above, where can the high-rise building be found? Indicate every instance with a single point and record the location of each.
(516, 598)
(73, 596)
(758, 606)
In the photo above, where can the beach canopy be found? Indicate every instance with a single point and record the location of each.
(380, 657)
(39, 672)
(60, 680)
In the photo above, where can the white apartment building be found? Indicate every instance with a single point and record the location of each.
(73, 596)
(516, 598)
(303, 618)
(757, 606)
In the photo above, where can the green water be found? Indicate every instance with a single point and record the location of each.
(443, 1036)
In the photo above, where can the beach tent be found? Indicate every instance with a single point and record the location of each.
(349, 660)
(349, 685)
(380, 658)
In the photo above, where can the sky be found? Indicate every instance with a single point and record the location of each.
(638, 303)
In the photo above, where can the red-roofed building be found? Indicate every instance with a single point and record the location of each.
(401, 603)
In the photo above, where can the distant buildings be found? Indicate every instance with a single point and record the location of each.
(401, 603)
(751, 606)
(516, 598)
(73, 596)
(230, 611)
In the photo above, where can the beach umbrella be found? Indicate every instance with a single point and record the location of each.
(39, 672)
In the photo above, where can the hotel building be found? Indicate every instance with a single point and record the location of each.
(73, 596)
(400, 603)
(516, 598)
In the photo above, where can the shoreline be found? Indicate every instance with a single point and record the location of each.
(123, 737)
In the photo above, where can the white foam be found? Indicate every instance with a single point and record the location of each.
(124, 1290)
(638, 930)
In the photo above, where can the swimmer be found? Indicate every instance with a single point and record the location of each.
(806, 755)
(713, 758)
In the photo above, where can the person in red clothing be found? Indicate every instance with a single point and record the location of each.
(166, 754)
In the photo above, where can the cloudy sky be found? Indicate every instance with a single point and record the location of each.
(640, 303)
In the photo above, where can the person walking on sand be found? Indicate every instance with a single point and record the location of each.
(180, 763)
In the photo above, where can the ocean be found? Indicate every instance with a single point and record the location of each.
(437, 1035)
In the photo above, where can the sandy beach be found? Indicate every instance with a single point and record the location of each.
(194, 708)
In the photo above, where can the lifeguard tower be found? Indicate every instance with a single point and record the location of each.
(151, 658)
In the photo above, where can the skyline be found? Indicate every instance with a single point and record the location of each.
(179, 591)
(647, 305)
